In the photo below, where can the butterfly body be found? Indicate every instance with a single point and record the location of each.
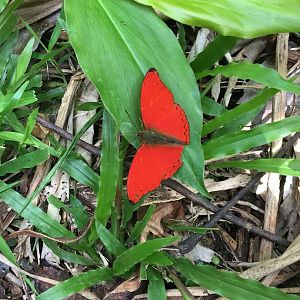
(154, 138)
(163, 140)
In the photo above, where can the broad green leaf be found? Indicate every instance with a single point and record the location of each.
(109, 169)
(243, 18)
(213, 52)
(238, 112)
(244, 140)
(211, 107)
(140, 225)
(111, 243)
(136, 254)
(282, 166)
(27, 98)
(127, 38)
(33, 214)
(23, 60)
(158, 258)
(259, 73)
(228, 284)
(156, 285)
(76, 284)
(25, 161)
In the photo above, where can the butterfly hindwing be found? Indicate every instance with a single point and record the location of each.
(151, 165)
(159, 111)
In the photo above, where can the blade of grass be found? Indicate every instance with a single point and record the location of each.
(283, 166)
(76, 284)
(109, 169)
(244, 140)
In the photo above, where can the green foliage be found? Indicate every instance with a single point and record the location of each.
(227, 284)
(131, 257)
(120, 42)
(283, 166)
(76, 284)
(156, 286)
(109, 169)
(243, 18)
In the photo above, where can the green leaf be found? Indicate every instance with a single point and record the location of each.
(36, 68)
(81, 172)
(273, 165)
(259, 73)
(158, 258)
(109, 169)
(139, 44)
(30, 124)
(230, 116)
(69, 256)
(3, 3)
(136, 254)
(25, 161)
(111, 243)
(18, 137)
(76, 284)
(87, 106)
(23, 60)
(5, 250)
(244, 140)
(211, 107)
(33, 214)
(13, 101)
(213, 52)
(228, 284)
(8, 20)
(156, 286)
(243, 18)
(78, 213)
(28, 97)
(140, 225)
(6, 51)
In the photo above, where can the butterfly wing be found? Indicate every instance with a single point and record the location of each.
(160, 112)
(151, 165)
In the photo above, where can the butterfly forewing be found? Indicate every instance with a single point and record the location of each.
(158, 110)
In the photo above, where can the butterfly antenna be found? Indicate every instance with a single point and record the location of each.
(137, 130)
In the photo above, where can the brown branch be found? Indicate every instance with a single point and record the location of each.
(88, 147)
(32, 233)
(190, 242)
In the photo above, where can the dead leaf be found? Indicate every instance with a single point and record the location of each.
(154, 225)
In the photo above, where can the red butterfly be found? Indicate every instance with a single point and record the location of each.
(166, 132)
